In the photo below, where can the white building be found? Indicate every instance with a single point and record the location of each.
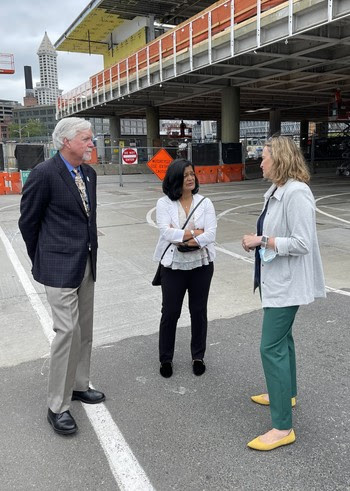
(47, 90)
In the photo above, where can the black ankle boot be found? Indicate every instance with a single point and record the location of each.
(166, 369)
(198, 367)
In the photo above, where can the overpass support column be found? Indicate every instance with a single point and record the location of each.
(218, 130)
(230, 100)
(275, 121)
(152, 120)
(150, 28)
(114, 129)
(304, 135)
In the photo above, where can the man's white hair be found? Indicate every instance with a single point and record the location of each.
(68, 128)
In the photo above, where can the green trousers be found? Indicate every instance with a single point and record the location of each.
(278, 359)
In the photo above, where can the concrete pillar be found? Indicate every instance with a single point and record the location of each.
(152, 120)
(322, 130)
(304, 135)
(150, 28)
(275, 121)
(218, 130)
(230, 100)
(114, 129)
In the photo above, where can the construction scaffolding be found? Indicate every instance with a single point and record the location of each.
(7, 64)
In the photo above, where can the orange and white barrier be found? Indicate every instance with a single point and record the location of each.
(10, 183)
(209, 174)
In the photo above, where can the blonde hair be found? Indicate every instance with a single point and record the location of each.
(288, 161)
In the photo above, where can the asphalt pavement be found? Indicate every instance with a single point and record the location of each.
(186, 433)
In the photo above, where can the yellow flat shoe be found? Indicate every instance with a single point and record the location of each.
(257, 444)
(260, 399)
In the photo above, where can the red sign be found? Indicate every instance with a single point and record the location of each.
(129, 156)
(159, 163)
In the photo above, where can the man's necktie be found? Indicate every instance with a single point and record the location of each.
(82, 190)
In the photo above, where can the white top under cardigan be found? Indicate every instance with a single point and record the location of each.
(167, 215)
(188, 260)
(295, 275)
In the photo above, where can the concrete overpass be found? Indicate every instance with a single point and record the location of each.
(283, 58)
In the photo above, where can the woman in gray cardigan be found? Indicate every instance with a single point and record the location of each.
(288, 272)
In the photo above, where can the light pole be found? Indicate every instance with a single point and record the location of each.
(19, 131)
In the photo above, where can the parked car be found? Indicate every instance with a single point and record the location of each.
(344, 169)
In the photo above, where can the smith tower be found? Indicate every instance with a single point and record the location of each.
(47, 91)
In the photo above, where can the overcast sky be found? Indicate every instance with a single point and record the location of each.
(23, 25)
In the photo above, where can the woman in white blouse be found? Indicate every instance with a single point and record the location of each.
(181, 271)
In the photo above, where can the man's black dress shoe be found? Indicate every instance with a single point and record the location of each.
(198, 367)
(90, 396)
(62, 423)
(166, 369)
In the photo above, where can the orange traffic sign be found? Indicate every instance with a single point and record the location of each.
(159, 163)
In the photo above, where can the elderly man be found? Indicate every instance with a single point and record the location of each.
(58, 225)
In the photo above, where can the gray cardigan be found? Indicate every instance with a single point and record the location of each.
(295, 276)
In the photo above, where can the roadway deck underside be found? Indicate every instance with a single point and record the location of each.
(293, 64)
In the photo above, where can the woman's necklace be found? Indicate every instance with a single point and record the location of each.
(186, 204)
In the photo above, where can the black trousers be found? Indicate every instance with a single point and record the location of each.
(174, 285)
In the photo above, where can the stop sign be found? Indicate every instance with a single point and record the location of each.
(129, 155)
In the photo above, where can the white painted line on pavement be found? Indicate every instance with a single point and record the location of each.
(125, 468)
(343, 210)
(149, 219)
(327, 214)
(33, 296)
(335, 290)
(9, 206)
(233, 254)
(223, 213)
(332, 216)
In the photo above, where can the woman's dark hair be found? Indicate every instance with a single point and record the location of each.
(174, 179)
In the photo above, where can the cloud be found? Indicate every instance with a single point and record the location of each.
(23, 25)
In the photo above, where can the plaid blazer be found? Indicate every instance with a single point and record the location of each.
(55, 228)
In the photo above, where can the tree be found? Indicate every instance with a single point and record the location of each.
(33, 127)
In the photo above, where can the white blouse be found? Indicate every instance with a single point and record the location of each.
(193, 259)
(170, 232)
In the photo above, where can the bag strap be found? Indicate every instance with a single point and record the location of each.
(184, 225)
(189, 216)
